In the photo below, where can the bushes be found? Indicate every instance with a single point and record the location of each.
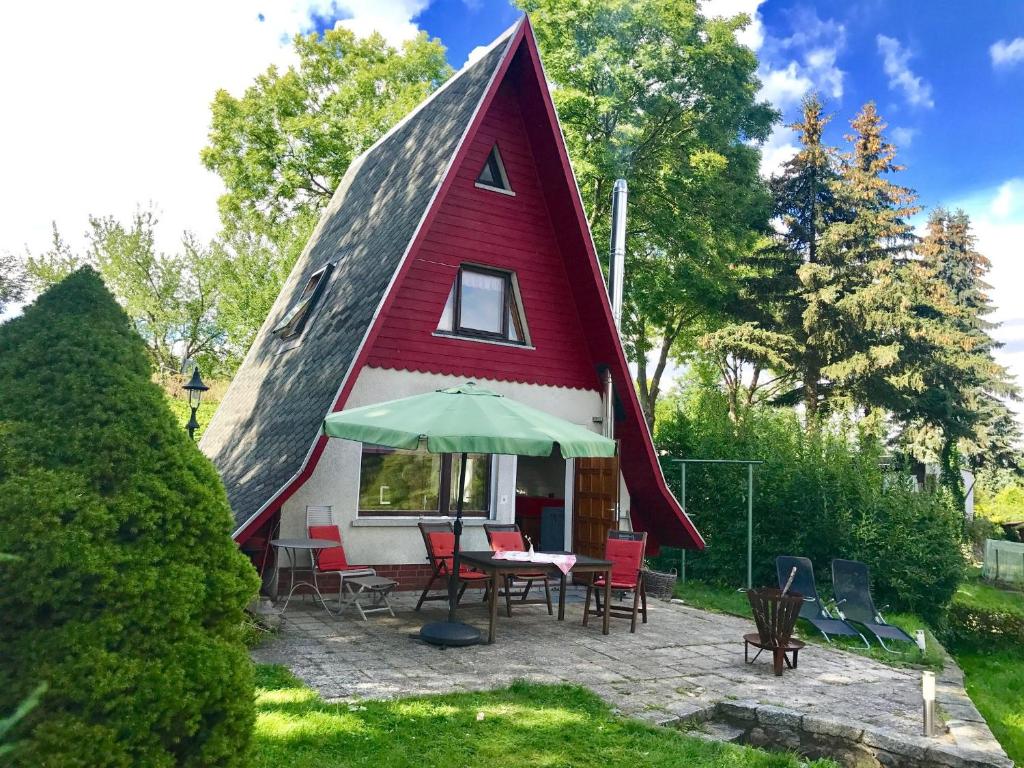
(982, 617)
(821, 494)
(128, 598)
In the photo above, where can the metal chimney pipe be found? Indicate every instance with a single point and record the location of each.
(617, 257)
(616, 271)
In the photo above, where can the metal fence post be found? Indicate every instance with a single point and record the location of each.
(682, 503)
(750, 526)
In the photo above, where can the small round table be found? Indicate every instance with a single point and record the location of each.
(291, 546)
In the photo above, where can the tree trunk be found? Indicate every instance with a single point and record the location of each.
(951, 477)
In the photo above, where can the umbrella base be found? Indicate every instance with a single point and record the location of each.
(450, 634)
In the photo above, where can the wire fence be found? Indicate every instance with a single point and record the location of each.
(1004, 561)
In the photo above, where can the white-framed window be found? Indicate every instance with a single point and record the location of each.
(484, 303)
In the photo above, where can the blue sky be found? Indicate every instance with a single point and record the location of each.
(954, 131)
(112, 116)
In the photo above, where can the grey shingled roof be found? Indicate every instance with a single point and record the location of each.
(271, 414)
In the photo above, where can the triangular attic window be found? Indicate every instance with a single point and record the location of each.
(493, 175)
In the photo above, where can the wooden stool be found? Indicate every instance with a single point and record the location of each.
(779, 653)
(377, 587)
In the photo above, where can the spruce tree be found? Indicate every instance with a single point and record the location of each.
(806, 205)
(851, 314)
(955, 412)
(127, 598)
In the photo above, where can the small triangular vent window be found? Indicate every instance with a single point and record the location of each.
(493, 175)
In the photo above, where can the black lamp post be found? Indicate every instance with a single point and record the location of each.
(195, 389)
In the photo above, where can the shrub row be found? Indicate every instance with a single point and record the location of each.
(971, 626)
(821, 493)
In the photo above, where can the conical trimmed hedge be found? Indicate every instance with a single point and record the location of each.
(128, 594)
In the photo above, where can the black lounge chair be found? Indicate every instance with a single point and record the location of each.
(852, 587)
(813, 609)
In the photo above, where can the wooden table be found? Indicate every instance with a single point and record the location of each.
(497, 569)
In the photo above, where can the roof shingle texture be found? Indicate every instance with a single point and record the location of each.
(271, 414)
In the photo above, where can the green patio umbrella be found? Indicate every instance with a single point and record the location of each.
(464, 419)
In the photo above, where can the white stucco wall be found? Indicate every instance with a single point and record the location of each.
(396, 540)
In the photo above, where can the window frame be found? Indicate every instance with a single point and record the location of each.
(322, 276)
(506, 189)
(446, 480)
(510, 303)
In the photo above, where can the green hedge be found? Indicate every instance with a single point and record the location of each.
(820, 493)
(128, 596)
(982, 616)
(973, 626)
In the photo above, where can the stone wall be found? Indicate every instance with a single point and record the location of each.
(851, 744)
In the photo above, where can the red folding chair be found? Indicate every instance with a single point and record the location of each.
(439, 539)
(506, 537)
(320, 524)
(625, 550)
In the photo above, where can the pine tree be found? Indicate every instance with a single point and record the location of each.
(807, 206)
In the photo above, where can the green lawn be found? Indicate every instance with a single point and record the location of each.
(995, 682)
(995, 675)
(726, 600)
(976, 592)
(523, 725)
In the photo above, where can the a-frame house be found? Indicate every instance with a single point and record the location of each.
(455, 249)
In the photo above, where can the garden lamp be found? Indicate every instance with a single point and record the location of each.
(928, 697)
(195, 388)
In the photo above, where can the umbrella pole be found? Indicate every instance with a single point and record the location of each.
(453, 633)
(453, 577)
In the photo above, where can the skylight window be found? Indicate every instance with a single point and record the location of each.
(294, 322)
(484, 304)
(493, 175)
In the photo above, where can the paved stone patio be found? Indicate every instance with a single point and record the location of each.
(680, 664)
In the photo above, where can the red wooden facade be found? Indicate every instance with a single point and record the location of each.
(485, 227)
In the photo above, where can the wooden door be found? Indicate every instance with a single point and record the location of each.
(595, 504)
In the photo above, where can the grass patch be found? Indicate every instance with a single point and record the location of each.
(712, 598)
(995, 682)
(725, 600)
(525, 725)
(978, 594)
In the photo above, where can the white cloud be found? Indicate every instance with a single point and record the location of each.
(111, 106)
(1009, 200)
(392, 18)
(475, 54)
(1007, 53)
(780, 147)
(807, 60)
(786, 86)
(752, 35)
(895, 62)
(903, 137)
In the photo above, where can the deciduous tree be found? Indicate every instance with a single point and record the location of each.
(12, 280)
(170, 297)
(653, 92)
